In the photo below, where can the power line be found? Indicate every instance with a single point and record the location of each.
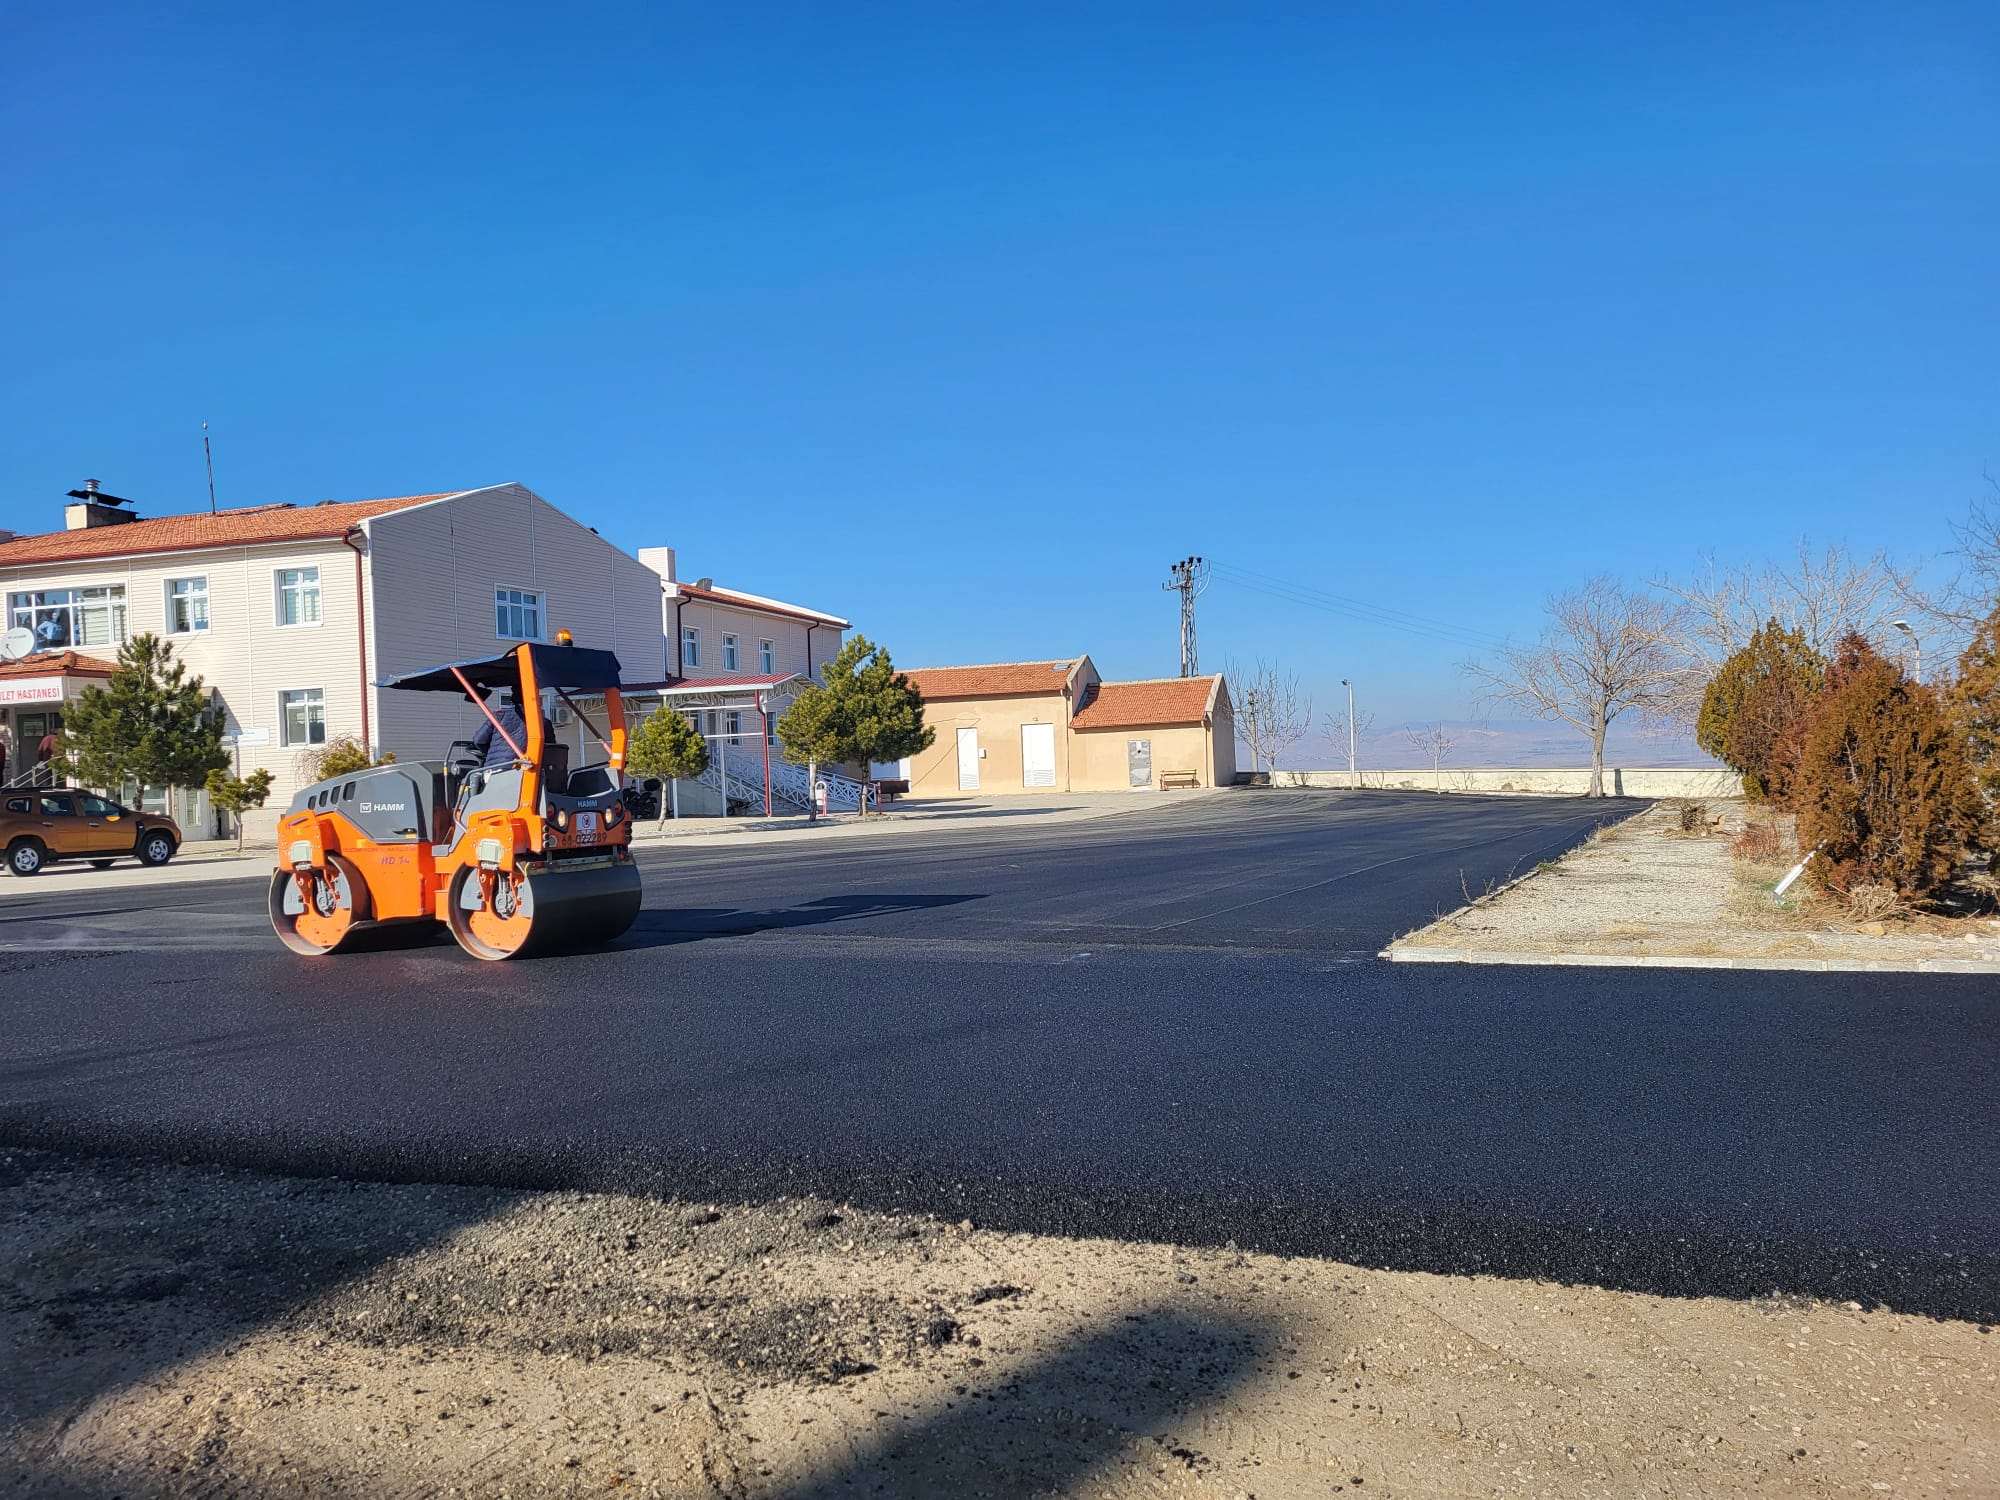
(1359, 610)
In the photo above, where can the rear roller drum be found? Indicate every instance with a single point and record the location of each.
(332, 907)
(517, 913)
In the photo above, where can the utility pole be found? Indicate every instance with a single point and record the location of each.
(210, 456)
(1352, 782)
(1188, 578)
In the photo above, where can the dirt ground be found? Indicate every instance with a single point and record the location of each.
(170, 1331)
(1645, 889)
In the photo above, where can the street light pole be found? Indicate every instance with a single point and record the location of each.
(1351, 779)
(1916, 648)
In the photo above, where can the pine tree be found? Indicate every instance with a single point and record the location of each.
(149, 723)
(1883, 786)
(237, 795)
(669, 747)
(1975, 706)
(1755, 708)
(861, 710)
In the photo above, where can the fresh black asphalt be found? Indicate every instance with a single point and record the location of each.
(1165, 1023)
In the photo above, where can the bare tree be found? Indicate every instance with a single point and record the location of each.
(1960, 604)
(1823, 593)
(1435, 743)
(1346, 737)
(1272, 714)
(1605, 652)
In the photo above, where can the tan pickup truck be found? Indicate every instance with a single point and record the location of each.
(39, 825)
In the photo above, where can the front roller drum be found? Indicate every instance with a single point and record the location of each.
(316, 912)
(498, 914)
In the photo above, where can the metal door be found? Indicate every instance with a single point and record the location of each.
(968, 760)
(1038, 755)
(1139, 761)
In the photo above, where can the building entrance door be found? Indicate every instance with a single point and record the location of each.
(1139, 763)
(1038, 755)
(968, 760)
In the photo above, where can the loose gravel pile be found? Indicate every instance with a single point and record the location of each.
(1646, 888)
(174, 1331)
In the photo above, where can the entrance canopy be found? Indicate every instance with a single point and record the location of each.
(756, 692)
(50, 678)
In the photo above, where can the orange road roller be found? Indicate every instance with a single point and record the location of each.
(501, 841)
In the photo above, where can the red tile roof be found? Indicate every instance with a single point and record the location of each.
(1132, 705)
(56, 664)
(190, 533)
(1007, 679)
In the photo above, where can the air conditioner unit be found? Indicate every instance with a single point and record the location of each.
(562, 717)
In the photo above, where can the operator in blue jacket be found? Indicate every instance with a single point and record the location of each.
(494, 746)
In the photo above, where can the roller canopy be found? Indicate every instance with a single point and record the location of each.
(577, 669)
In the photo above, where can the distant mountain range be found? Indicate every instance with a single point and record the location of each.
(1523, 743)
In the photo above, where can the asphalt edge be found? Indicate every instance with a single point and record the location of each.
(1400, 953)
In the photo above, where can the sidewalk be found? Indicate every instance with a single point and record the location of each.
(197, 859)
(216, 859)
(1642, 894)
(910, 815)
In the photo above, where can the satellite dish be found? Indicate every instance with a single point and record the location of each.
(17, 643)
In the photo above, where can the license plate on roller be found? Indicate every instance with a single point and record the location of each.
(586, 827)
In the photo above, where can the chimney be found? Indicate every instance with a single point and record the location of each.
(660, 560)
(95, 508)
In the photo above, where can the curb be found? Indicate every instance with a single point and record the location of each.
(1412, 955)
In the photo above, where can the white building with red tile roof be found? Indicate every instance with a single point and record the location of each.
(291, 614)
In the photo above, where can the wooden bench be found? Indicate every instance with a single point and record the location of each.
(1183, 780)
(889, 791)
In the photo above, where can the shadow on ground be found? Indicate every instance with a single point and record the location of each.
(655, 929)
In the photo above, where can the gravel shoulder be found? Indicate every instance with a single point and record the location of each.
(176, 1331)
(1642, 891)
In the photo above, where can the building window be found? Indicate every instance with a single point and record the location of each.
(302, 716)
(298, 597)
(732, 724)
(771, 731)
(518, 614)
(729, 653)
(690, 647)
(767, 658)
(66, 618)
(187, 605)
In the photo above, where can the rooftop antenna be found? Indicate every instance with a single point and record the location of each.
(210, 456)
(1188, 578)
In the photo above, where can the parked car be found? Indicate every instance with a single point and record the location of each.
(45, 824)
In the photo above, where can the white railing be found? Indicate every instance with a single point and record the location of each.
(789, 785)
(48, 773)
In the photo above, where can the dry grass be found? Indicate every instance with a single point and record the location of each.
(1874, 903)
(1757, 843)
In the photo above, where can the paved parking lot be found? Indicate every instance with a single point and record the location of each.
(1167, 1023)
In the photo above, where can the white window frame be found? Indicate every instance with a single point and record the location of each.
(285, 739)
(111, 601)
(519, 603)
(278, 598)
(767, 657)
(732, 723)
(690, 646)
(199, 592)
(731, 653)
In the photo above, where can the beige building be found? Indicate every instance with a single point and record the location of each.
(1057, 726)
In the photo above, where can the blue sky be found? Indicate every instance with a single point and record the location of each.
(968, 320)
